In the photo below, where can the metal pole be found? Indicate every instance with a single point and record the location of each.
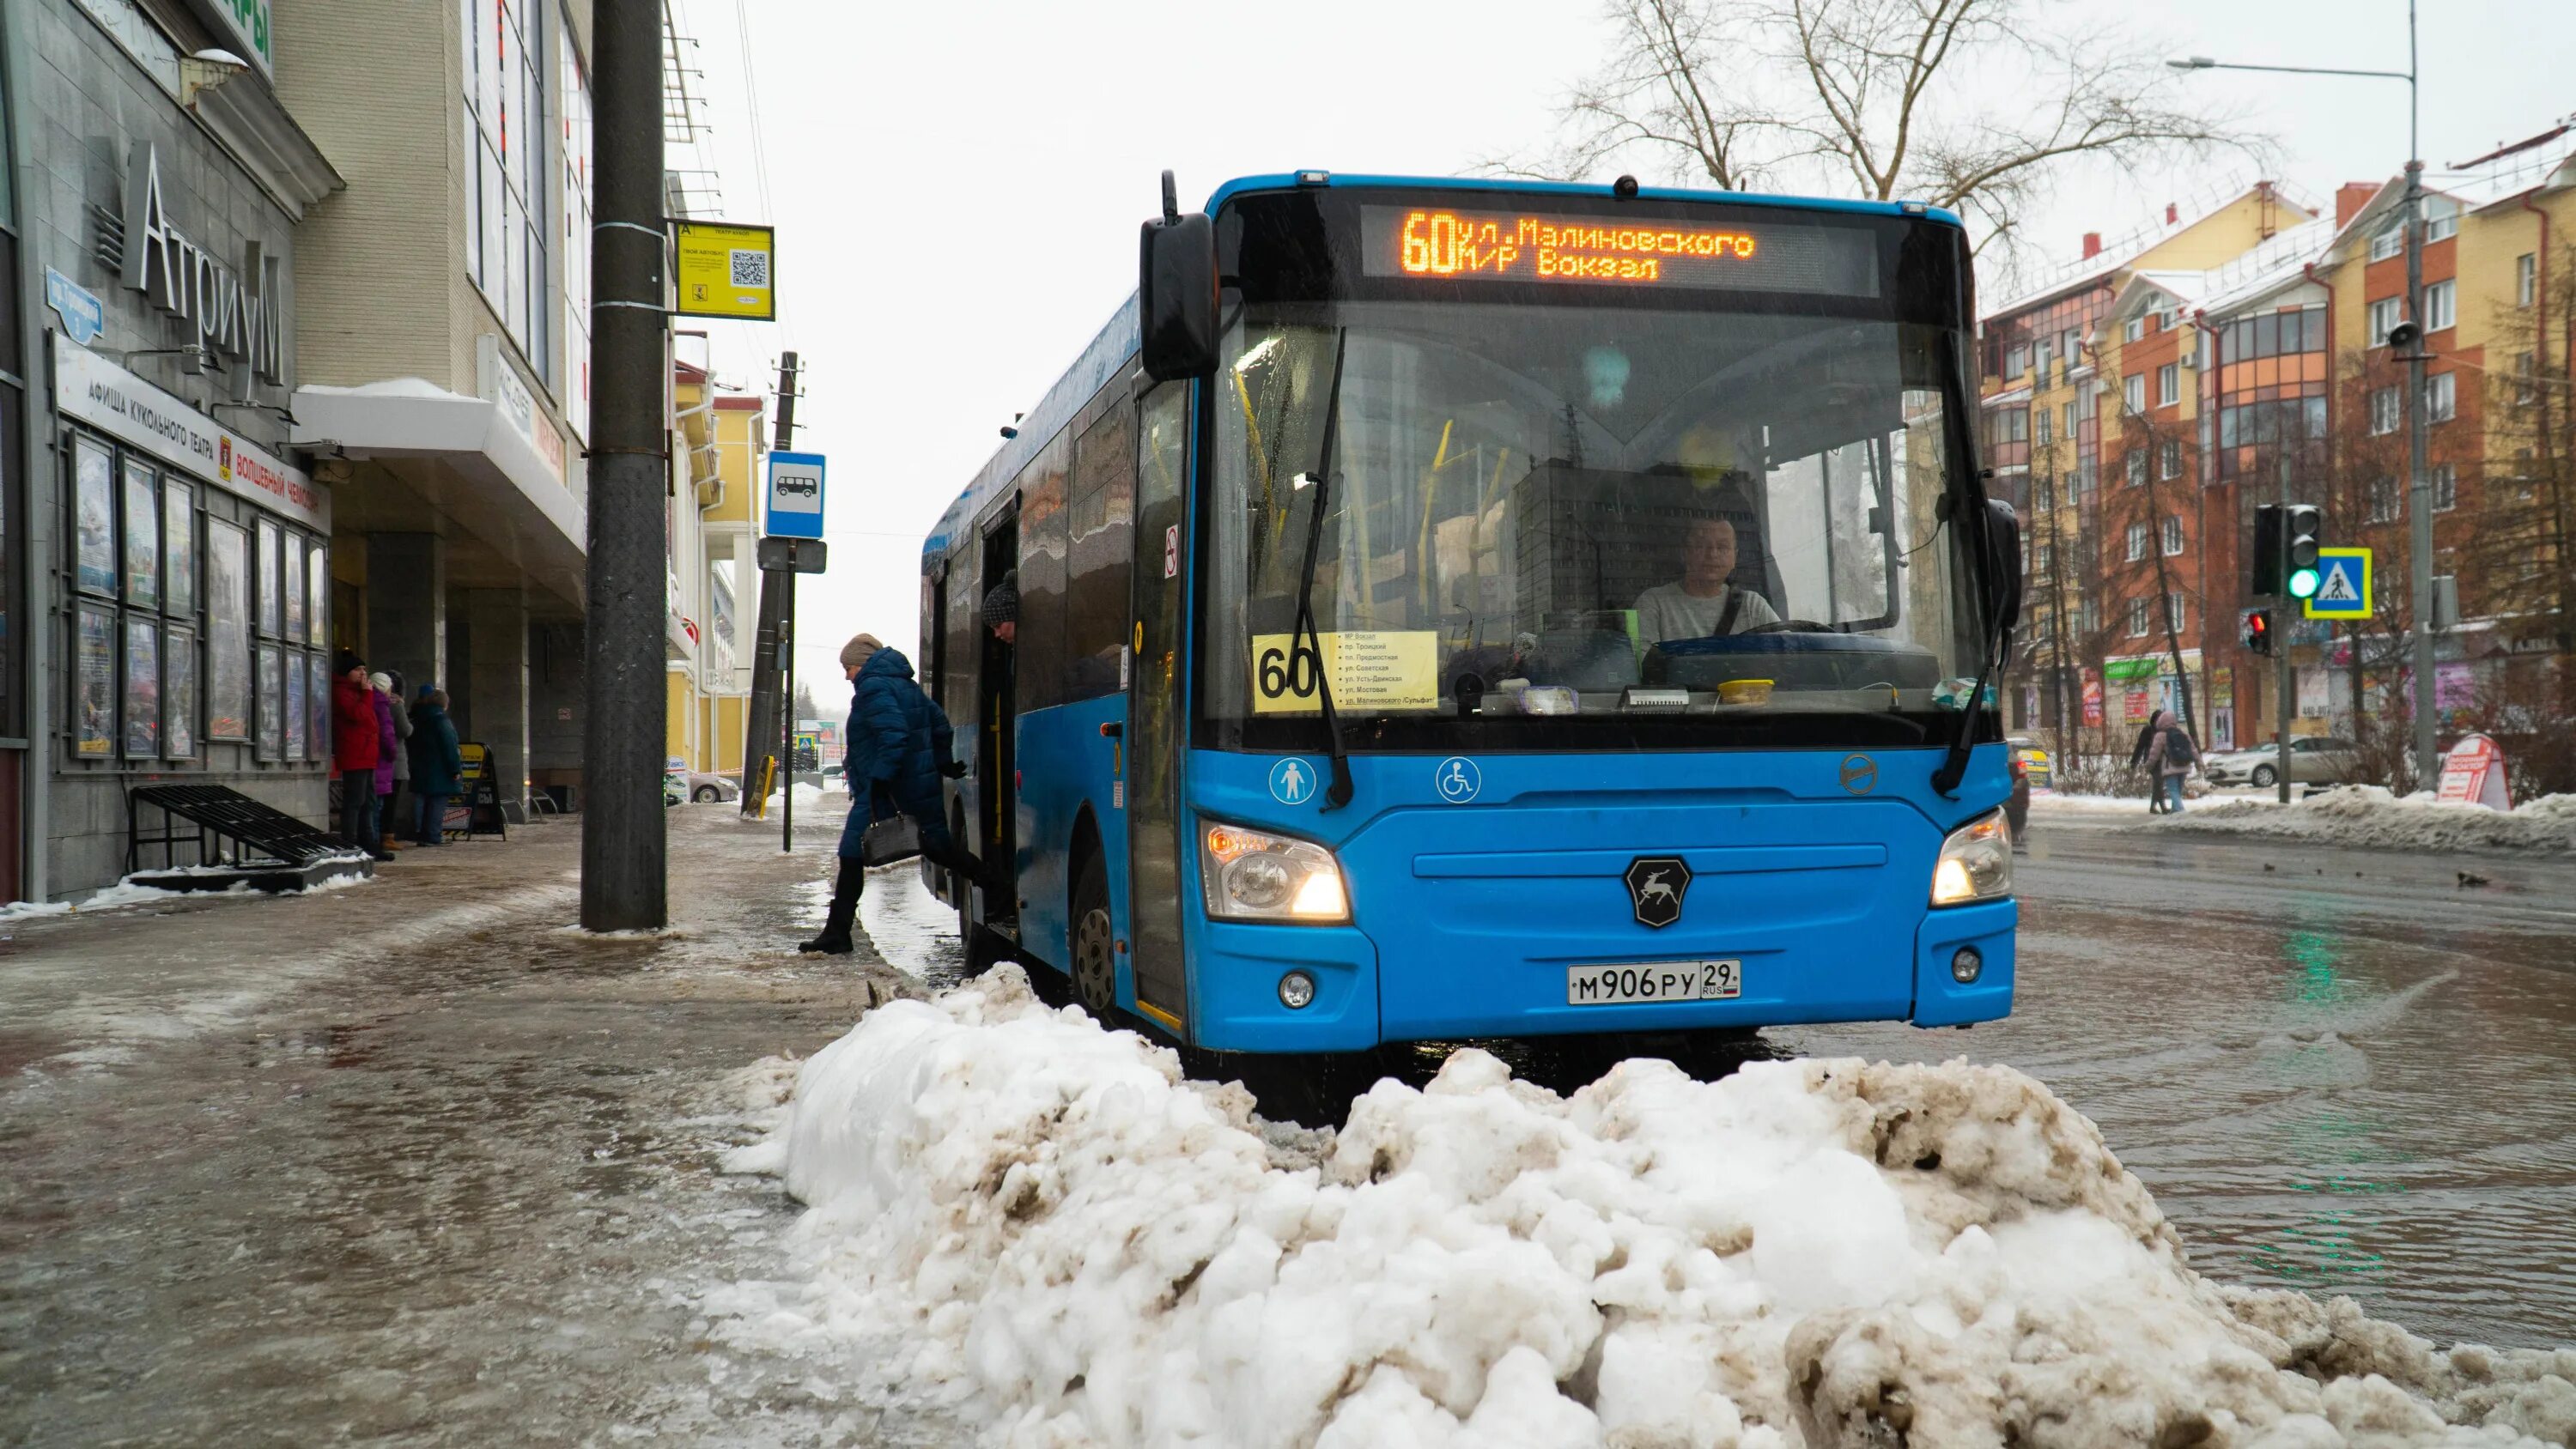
(787, 628)
(2420, 485)
(2284, 678)
(624, 854)
(787, 717)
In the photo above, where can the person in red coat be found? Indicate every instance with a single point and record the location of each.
(355, 751)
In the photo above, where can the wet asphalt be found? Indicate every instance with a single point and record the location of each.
(413, 1163)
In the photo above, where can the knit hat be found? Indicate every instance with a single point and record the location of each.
(426, 691)
(1002, 605)
(382, 680)
(859, 650)
(344, 661)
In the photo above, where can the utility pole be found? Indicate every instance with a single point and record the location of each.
(624, 853)
(786, 623)
(2419, 493)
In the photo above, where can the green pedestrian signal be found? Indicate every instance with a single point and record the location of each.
(2303, 583)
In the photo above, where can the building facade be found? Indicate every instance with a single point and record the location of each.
(165, 564)
(719, 453)
(2261, 374)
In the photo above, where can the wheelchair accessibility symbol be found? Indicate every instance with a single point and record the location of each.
(1292, 782)
(1458, 780)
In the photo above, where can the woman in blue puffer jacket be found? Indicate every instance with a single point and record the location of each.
(899, 745)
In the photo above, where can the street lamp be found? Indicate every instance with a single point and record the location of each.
(2419, 490)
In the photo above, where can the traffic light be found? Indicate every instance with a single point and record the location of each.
(2300, 525)
(2265, 580)
(2254, 627)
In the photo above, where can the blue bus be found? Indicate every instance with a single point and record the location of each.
(1455, 609)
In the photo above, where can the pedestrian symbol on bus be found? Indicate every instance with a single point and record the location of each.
(1292, 782)
(2343, 584)
(1458, 780)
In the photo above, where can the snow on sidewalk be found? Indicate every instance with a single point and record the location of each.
(2371, 817)
(1039, 1226)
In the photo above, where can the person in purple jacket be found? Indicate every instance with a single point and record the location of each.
(388, 747)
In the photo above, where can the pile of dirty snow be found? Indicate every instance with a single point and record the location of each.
(1024, 1220)
(2367, 815)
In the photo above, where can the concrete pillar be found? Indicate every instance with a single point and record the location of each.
(407, 605)
(496, 621)
(460, 664)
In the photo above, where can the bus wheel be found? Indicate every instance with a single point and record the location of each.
(1095, 944)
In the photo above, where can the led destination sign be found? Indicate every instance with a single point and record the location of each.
(1512, 246)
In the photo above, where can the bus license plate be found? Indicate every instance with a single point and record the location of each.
(1654, 981)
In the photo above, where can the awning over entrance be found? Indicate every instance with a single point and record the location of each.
(467, 462)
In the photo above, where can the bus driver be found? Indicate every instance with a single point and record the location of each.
(1701, 604)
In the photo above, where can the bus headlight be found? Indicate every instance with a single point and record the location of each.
(1975, 863)
(1253, 875)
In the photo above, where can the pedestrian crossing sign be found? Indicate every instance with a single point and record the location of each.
(2343, 584)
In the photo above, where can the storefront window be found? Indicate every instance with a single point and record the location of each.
(172, 647)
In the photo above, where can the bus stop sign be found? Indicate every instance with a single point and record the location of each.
(796, 495)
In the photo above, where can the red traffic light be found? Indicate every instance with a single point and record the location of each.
(2254, 627)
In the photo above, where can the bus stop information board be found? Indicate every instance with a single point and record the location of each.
(725, 271)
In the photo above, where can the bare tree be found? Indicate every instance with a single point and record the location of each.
(1974, 105)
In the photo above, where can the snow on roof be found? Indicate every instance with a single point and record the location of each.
(2123, 250)
(2007, 397)
(390, 387)
(2547, 160)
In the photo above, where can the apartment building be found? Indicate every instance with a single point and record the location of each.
(2054, 417)
(2265, 374)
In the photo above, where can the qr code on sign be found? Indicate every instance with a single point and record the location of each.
(751, 269)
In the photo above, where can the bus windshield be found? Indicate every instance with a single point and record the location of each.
(1585, 527)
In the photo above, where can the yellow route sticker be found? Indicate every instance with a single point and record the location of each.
(1374, 671)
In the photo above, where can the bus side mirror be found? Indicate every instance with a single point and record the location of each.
(2003, 565)
(1176, 292)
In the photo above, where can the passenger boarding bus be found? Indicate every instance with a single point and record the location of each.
(1456, 609)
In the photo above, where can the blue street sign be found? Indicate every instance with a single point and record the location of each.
(796, 495)
(84, 316)
(2343, 584)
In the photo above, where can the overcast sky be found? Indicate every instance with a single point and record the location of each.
(957, 187)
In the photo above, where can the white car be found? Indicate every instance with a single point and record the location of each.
(2314, 759)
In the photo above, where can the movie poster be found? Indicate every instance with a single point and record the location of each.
(227, 631)
(94, 517)
(292, 580)
(179, 546)
(179, 694)
(272, 608)
(296, 720)
(317, 588)
(142, 538)
(272, 697)
(317, 707)
(143, 684)
(94, 684)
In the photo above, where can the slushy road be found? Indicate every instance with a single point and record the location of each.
(2345, 1074)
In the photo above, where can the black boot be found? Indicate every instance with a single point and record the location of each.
(835, 940)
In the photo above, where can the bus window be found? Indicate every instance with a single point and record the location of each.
(1104, 487)
(1039, 655)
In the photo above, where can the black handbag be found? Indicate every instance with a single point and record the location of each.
(888, 841)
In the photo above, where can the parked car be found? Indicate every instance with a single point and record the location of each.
(2314, 760)
(2031, 758)
(705, 787)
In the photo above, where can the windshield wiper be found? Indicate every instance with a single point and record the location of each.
(1302, 636)
(1954, 763)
